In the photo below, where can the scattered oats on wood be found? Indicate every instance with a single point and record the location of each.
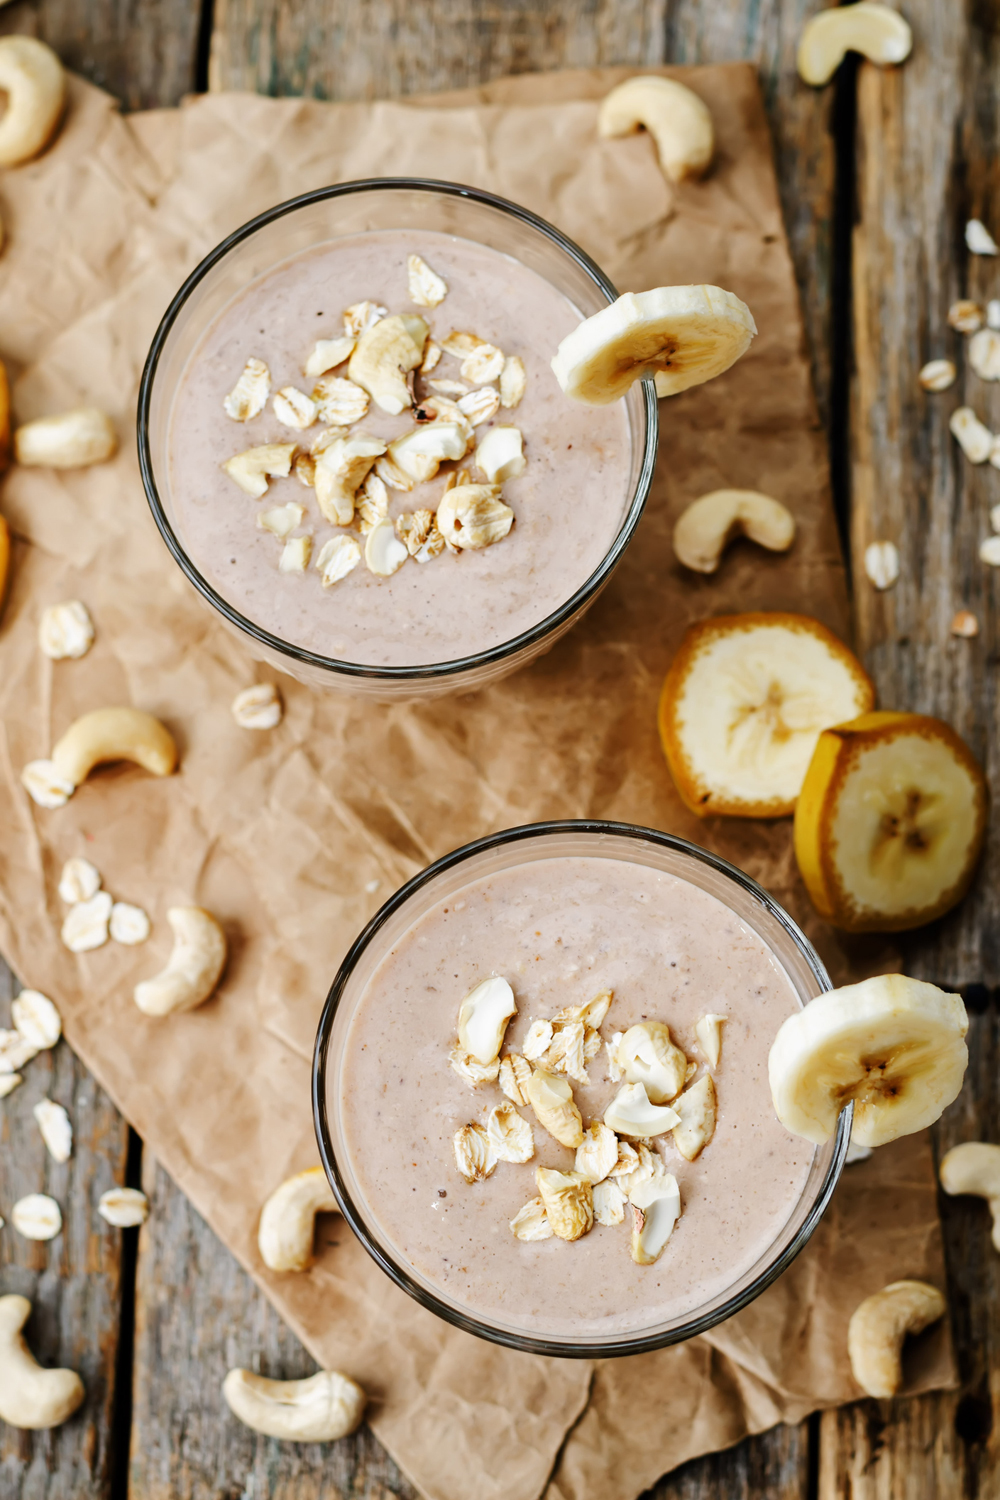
(361, 316)
(295, 555)
(532, 1222)
(123, 1207)
(258, 707)
(513, 381)
(427, 288)
(470, 1069)
(37, 1217)
(965, 624)
(65, 631)
(514, 1074)
(984, 353)
(15, 1051)
(327, 354)
(979, 240)
(36, 1019)
(882, 564)
(249, 395)
(45, 784)
(339, 401)
(56, 1130)
(509, 1134)
(8, 1083)
(337, 557)
(86, 924)
(965, 316)
(281, 520)
(129, 924)
(989, 551)
(293, 408)
(480, 405)
(974, 439)
(473, 1156)
(609, 1203)
(937, 375)
(993, 313)
(598, 1155)
(79, 881)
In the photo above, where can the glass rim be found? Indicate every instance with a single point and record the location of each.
(300, 654)
(525, 1342)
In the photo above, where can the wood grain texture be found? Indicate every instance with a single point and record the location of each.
(774, 1466)
(198, 1315)
(73, 1281)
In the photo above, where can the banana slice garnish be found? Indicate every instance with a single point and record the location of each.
(892, 1045)
(890, 822)
(682, 335)
(743, 705)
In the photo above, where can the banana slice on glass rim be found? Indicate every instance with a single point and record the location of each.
(744, 703)
(893, 1046)
(682, 335)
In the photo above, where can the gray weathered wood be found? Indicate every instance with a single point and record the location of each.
(774, 1466)
(73, 1281)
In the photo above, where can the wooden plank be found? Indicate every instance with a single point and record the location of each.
(774, 1466)
(74, 1280)
(198, 1315)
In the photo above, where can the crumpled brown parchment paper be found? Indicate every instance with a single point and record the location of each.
(285, 835)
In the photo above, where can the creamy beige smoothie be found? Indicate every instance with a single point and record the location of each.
(568, 503)
(560, 930)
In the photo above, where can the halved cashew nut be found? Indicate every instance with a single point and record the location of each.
(31, 1396)
(108, 734)
(71, 440)
(288, 1220)
(705, 528)
(879, 33)
(974, 1168)
(196, 962)
(880, 1324)
(33, 79)
(321, 1409)
(679, 122)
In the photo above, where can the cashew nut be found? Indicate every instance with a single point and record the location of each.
(114, 734)
(31, 1396)
(321, 1409)
(679, 122)
(288, 1220)
(33, 79)
(705, 528)
(974, 1167)
(876, 31)
(880, 1324)
(71, 440)
(196, 962)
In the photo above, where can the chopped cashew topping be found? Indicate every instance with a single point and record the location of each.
(709, 1034)
(974, 439)
(86, 924)
(194, 968)
(514, 1074)
(551, 1097)
(65, 630)
(281, 520)
(288, 1220)
(499, 454)
(569, 1201)
(481, 362)
(513, 381)
(614, 1066)
(509, 1134)
(965, 315)
(470, 1070)
(57, 1132)
(480, 405)
(385, 554)
(36, 1020)
(532, 1222)
(328, 354)
(339, 402)
(598, 1155)
(45, 784)
(295, 555)
(473, 1154)
(679, 122)
(449, 387)
(304, 469)
(877, 32)
(565, 1055)
(609, 1203)
(123, 1207)
(420, 452)
(472, 516)
(340, 469)
(293, 408)
(321, 1409)
(592, 1013)
(937, 375)
(979, 240)
(706, 527)
(110, 734)
(252, 468)
(361, 316)
(964, 623)
(538, 1040)
(427, 288)
(631, 1113)
(72, 440)
(696, 1107)
(432, 357)
(37, 1217)
(258, 707)
(31, 1397)
(371, 502)
(655, 1209)
(391, 475)
(974, 1167)
(79, 881)
(647, 1055)
(33, 81)
(129, 925)
(878, 1327)
(984, 353)
(248, 396)
(483, 1017)
(882, 564)
(385, 354)
(418, 531)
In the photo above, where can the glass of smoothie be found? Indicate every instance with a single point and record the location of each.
(565, 914)
(279, 543)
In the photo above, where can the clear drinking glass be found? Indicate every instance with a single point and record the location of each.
(518, 847)
(319, 218)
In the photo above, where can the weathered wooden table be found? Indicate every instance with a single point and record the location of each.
(878, 174)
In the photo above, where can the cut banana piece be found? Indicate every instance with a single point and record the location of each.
(894, 1046)
(890, 822)
(679, 122)
(743, 705)
(684, 335)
